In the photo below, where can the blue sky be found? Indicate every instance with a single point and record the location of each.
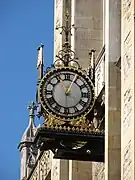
(24, 24)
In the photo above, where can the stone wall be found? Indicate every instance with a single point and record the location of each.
(88, 19)
(127, 79)
(79, 170)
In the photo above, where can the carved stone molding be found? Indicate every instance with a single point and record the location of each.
(42, 167)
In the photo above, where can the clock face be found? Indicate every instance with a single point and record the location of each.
(66, 92)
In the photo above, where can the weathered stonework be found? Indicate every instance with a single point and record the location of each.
(42, 167)
(127, 58)
(128, 90)
(127, 165)
(128, 109)
(127, 5)
(55, 169)
(98, 171)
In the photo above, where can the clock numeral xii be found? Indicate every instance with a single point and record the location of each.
(67, 76)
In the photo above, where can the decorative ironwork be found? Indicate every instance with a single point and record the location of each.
(91, 67)
(32, 107)
(66, 28)
(99, 111)
(66, 57)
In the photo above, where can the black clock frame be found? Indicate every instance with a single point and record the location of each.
(74, 70)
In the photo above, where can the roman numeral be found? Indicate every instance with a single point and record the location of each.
(51, 100)
(82, 103)
(82, 86)
(57, 107)
(66, 110)
(48, 92)
(75, 109)
(67, 76)
(84, 95)
(58, 77)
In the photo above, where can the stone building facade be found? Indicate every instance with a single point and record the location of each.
(108, 27)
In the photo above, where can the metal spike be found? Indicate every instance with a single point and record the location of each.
(77, 129)
(68, 128)
(73, 128)
(60, 128)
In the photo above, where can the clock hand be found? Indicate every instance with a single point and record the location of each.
(63, 86)
(68, 89)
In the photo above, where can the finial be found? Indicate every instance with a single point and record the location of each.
(41, 45)
(32, 107)
(92, 57)
(66, 56)
(91, 68)
(66, 28)
(40, 62)
(91, 51)
(40, 58)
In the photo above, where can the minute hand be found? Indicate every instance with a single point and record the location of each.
(68, 90)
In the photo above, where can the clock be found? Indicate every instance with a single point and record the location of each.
(66, 93)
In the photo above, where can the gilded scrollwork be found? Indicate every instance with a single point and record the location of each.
(52, 120)
(82, 124)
